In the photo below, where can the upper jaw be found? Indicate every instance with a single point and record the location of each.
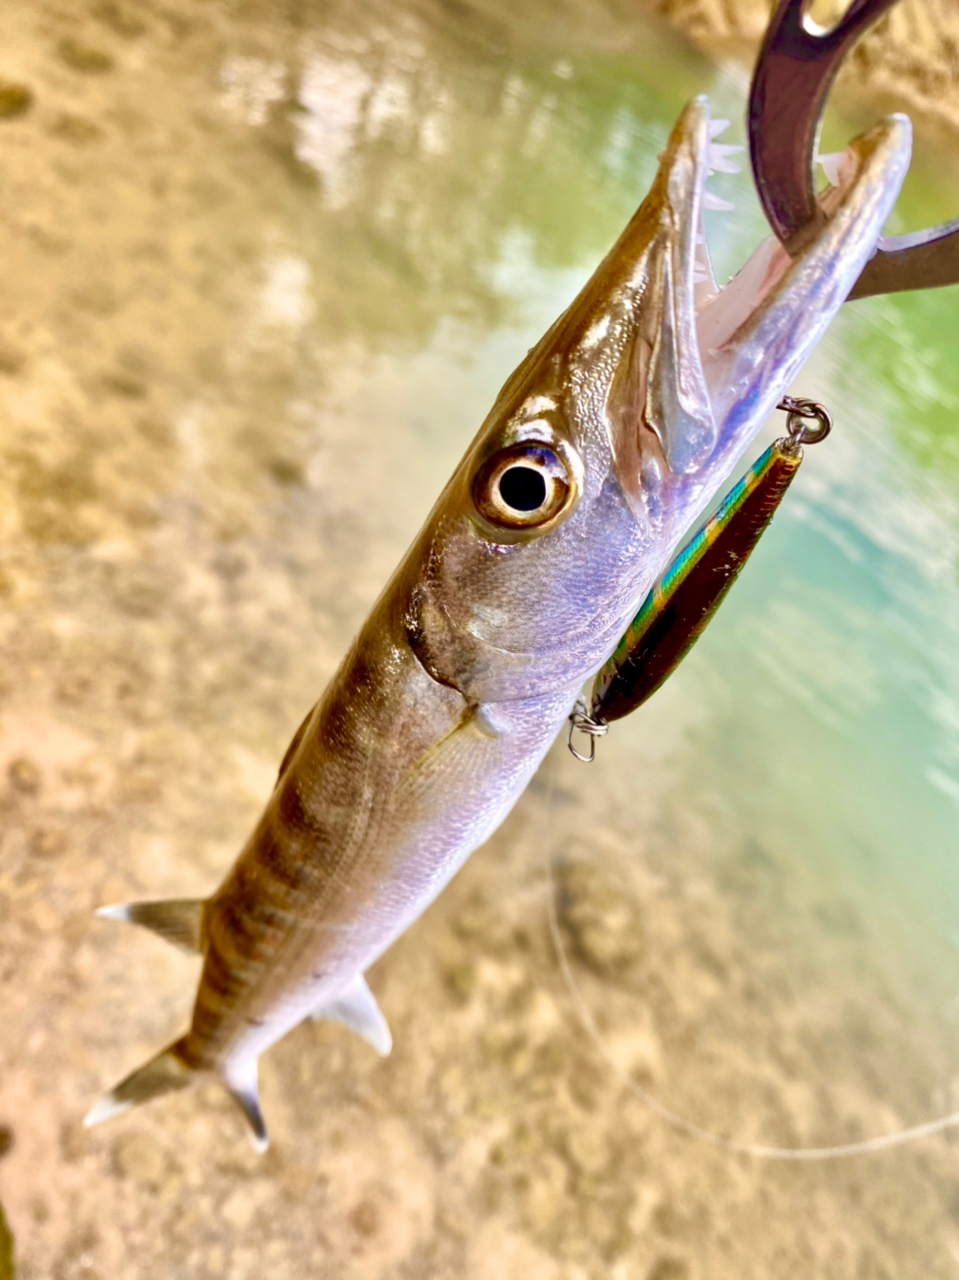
(692, 379)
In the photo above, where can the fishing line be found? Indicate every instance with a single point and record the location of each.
(758, 1150)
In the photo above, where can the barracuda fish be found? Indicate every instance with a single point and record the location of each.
(611, 435)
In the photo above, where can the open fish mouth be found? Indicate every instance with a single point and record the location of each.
(641, 395)
(700, 366)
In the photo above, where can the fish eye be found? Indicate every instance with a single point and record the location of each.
(523, 486)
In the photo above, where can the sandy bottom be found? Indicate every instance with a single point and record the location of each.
(192, 525)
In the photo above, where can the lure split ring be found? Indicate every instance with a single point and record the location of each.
(582, 722)
(799, 413)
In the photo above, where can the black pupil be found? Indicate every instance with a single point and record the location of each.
(522, 488)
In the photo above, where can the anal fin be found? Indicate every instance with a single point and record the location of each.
(241, 1081)
(355, 1006)
(178, 920)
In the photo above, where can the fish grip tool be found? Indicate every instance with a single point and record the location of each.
(797, 65)
(678, 609)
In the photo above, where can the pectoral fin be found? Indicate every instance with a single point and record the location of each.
(355, 1006)
(291, 749)
(178, 920)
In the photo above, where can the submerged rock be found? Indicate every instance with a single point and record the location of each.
(669, 1268)
(15, 99)
(84, 57)
(603, 925)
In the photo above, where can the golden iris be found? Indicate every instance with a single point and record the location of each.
(522, 487)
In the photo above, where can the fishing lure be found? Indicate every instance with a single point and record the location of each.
(679, 608)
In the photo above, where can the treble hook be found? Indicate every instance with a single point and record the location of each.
(796, 68)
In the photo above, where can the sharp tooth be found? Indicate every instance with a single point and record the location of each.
(716, 127)
(716, 203)
(832, 166)
(718, 158)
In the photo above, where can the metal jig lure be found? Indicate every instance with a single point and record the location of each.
(680, 606)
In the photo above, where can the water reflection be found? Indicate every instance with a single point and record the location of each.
(428, 161)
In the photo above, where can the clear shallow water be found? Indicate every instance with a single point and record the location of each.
(265, 277)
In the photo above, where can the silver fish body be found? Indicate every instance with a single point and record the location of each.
(627, 417)
(360, 834)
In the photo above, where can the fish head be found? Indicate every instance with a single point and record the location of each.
(622, 423)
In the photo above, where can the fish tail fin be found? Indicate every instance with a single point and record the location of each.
(178, 920)
(169, 1071)
(164, 1073)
